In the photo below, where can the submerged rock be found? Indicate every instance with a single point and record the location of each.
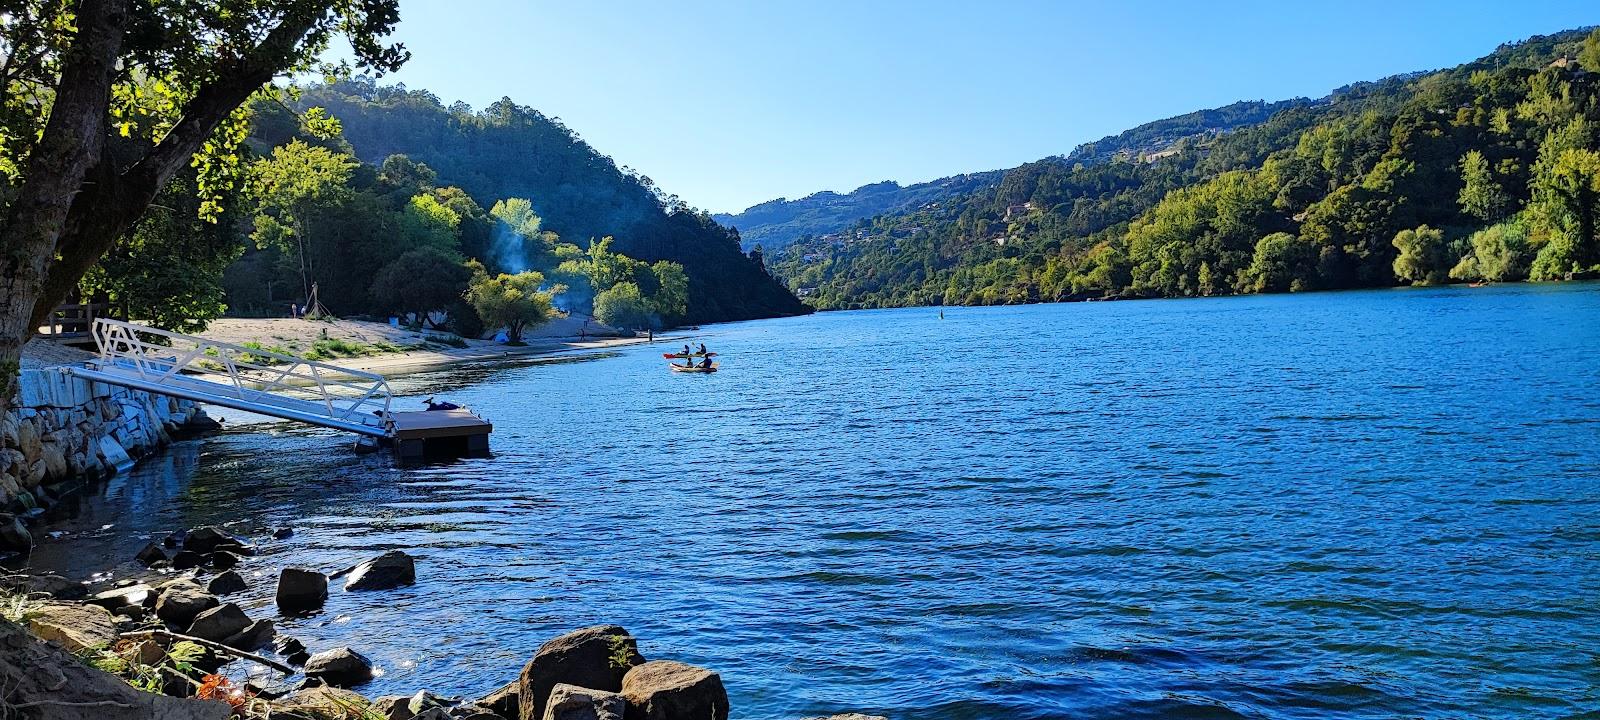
(389, 570)
(151, 555)
(222, 560)
(14, 535)
(301, 589)
(594, 657)
(205, 539)
(187, 559)
(75, 628)
(181, 601)
(227, 583)
(219, 623)
(668, 690)
(256, 636)
(340, 667)
(570, 702)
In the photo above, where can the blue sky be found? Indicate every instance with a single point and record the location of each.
(728, 104)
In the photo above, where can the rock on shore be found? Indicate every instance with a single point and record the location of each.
(669, 690)
(595, 657)
(339, 667)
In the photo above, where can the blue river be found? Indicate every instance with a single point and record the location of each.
(1362, 504)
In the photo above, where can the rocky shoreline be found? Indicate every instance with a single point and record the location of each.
(174, 633)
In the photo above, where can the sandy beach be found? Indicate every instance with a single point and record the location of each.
(419, 350)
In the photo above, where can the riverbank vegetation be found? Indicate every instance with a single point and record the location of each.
(310, 222)
(1485, 172)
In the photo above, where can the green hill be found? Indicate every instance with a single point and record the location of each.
(507, 150)
(1486, 171)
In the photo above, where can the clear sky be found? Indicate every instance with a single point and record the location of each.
(727, 104)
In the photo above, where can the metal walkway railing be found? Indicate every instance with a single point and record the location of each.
(239, 377)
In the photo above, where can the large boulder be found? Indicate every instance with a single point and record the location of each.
(669, 690)
(570, 702)
(594, 657)
(180, 602)
(301, 589)
(340, 667)
(389, 570)
(74, 627)
(219, 623)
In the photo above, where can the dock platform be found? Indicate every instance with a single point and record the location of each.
(432, 432)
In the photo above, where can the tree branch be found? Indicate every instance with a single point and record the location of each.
(219, 647)
(113, 201)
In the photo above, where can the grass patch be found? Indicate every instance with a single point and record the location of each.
(267, 360)
(450, 340)
(334, 348)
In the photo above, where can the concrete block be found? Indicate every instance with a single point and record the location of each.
(114, 455)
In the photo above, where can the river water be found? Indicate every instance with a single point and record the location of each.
(1363, 504)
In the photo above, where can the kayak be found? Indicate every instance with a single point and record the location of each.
(680, 356)
(680, 368)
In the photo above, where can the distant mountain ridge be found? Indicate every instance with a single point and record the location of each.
(775, 224)
(1153, 138)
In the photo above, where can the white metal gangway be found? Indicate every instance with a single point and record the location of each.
(239, 377)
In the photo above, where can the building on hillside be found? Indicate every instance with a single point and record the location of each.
(1016, 211)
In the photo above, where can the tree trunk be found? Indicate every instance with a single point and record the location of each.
(67, 149)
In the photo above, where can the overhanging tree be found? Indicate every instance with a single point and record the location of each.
(103, 101)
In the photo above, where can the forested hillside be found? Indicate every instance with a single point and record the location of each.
(512, 151)
(775, 224)
(1485, 172)
(499, 217)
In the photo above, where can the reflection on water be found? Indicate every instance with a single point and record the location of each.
(1370, 504)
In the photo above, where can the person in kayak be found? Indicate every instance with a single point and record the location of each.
(686, 352)
(706, 363)
(702, 348)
